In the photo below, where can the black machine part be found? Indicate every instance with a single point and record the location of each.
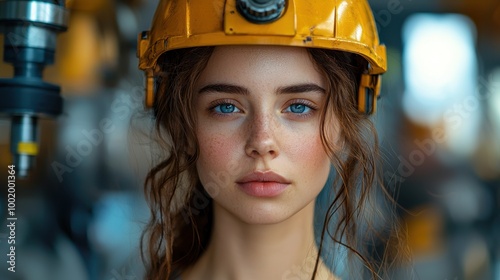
(261, 11)
(30, 30)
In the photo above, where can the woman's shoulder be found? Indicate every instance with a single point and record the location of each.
(327, 276)
(324, 273)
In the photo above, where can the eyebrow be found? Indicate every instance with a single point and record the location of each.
(228, 88)
(300, 88)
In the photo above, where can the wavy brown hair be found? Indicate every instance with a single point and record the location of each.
(179, 229)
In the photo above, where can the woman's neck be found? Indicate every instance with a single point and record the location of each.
(238, 250)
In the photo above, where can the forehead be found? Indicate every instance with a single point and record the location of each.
(250, 64)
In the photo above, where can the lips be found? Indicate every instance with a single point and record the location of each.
(268, 176)
(263, 184)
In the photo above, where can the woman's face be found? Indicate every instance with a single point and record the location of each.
(258, 127)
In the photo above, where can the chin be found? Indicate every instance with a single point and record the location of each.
(263, 213)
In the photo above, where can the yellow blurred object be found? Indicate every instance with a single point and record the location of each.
(78, 58)
(425, 230)
(84, 51)
(27, 148)
(91, 6)
(346, 25)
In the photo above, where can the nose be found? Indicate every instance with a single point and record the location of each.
(261, 137)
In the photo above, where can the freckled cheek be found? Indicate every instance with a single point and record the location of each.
(311, 161)
(307, 149)
(216, 151)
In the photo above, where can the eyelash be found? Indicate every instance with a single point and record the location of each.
(217, 103)
(306, 103)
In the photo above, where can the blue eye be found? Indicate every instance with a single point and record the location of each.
(226, 108)
(298, 108)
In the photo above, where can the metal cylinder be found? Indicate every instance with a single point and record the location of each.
(23, 142)
(30, 30)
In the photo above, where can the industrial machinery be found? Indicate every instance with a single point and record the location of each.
(30, 30)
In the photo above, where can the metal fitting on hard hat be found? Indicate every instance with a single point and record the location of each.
(260, 11)
(343, 25)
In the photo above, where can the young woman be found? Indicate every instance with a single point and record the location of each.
(256, 104)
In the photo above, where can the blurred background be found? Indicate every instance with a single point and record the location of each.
(81, 211)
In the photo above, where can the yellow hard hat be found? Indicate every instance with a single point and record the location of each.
(345, 25)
